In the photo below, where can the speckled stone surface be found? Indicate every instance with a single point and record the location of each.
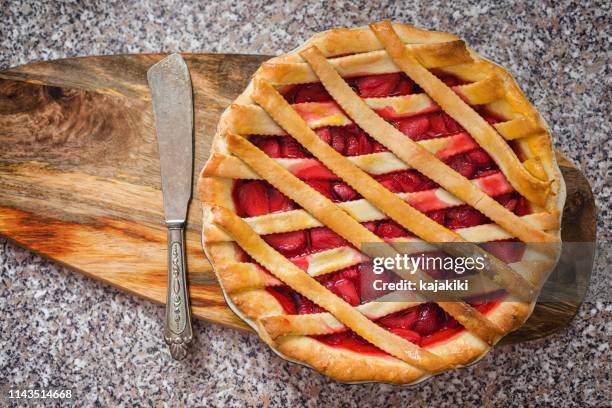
(61, 330)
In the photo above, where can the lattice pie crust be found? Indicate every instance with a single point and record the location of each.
(519, 144)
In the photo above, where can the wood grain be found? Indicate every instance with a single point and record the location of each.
(79, 176)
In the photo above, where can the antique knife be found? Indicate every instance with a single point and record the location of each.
(171, 91)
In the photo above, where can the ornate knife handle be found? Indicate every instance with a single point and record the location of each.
(177, 332)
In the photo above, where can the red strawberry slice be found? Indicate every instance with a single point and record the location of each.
(390, 229)
(405, 86)
(415, 128)
(409, 335)
(324, 238)
(269, 145)
(438, 216)
(490, 117)
(410, 180)
(352, 146)
(287, 242)
(348, 273)
(325, 134)
(306, 306)
(427, 184)
(367, 277)
(365, 145)
(351, 130)
(509, 201)
(450, 80)
(451, 323)
(357, 338)
(311, 93)
(283, 297)
(507, 251)
(463, 217)
(347, 291)
(479, 158)
(482, 306)
(485, 172)
(311, 169)
(429, 320)
(344, 192)
(370, 225)
(401, 320)
(279, 201)
(334, 339)
(322, 186)
(451, 124)
(431, 267)
(338, 142)
(253, 198)
(378, 147)
(522, 207)
(388, 180)
(437, 124)
(291, 149)
(462, 166)
(377, 86)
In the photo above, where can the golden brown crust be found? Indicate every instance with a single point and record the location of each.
(279, 72)
(345, 365)
(355, 51)
(343, 41)
(242, 275)
(348, 366)
(256, 304)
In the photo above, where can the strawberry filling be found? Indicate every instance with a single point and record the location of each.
(258, 197)
(426, 324)
(349, 140)
(384, 85)
(312, 92)
(449, 79)
(428, 126)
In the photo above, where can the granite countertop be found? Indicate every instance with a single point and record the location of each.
(59, 329)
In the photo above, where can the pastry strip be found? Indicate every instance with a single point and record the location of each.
(518, 128)
(237, 276)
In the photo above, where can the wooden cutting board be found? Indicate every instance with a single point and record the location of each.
(79, 176)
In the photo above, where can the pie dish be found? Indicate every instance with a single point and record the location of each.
(383, 134)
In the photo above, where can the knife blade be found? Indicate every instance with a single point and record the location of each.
(171, 92)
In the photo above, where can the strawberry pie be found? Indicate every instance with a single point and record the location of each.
(385, 135)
